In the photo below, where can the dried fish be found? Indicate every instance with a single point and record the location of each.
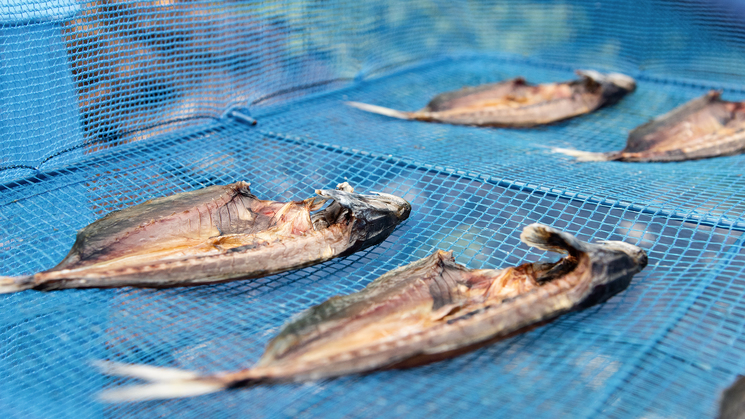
(217, 234)
(516, 103)
(702, 128)
(426, 311)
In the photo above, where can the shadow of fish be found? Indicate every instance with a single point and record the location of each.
(426, 311)
(216, 234)
(516, 103)
(702, 128)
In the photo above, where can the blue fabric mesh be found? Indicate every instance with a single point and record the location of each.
(109, 104)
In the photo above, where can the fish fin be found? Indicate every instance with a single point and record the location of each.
(143, 372)
(380, 110)
(165, 383)
(10, 284)
(158, 391)
(553, 240)
(583, 155)
(315, 203)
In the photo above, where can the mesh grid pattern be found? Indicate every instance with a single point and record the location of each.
(133, 100)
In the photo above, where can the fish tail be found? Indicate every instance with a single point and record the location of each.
(551, 239)
(164, 383)
(11, 284)
(584, 155)
(380, 110)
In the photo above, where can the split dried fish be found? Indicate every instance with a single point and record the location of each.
(217, 234)
(426, 311)
(516, 103)
(702, 128)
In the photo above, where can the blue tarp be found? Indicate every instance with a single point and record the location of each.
(135, 100)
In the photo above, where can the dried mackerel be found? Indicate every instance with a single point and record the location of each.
(217, 234)
(428, 310)
(702, 128)
(516, 103)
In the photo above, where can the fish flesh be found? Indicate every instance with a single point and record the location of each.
(518, 104)
(704, 127)
(426, 311)
(217, 234)
(732, 403)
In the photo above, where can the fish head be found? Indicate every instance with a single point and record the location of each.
(622, 81)
(374, 217)
(607, 265)
(548, 238)
(612, 266)
(384, 203)
(637, 254)
(616, 84)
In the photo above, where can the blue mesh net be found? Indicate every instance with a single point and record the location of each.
(109, 104)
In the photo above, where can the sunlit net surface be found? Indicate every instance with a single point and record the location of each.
(108, 105)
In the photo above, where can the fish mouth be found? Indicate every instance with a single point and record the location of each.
(397, 206)
(373, 217)
(636, 253)
(623, 81)
(379, 204)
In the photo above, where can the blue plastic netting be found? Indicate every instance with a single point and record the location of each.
(106, 104)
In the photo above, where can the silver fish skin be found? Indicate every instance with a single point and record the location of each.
(702, 128)
(426, 311)
(517, 104)
(217, 234)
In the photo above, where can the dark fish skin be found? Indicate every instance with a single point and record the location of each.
(217, 234)
(429, 310)
(702, 128)
(518, 104)
(732, 405)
